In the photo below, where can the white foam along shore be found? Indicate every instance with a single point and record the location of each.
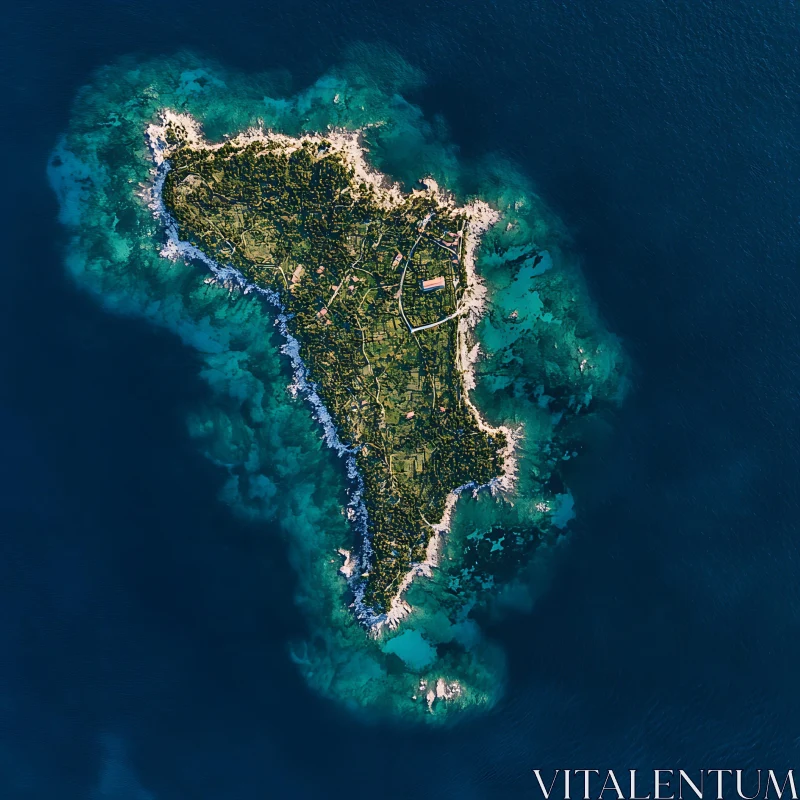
(183, 129)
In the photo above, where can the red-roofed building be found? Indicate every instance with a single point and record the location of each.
(434, 284)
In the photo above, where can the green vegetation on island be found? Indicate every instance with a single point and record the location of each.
(548, 365)
(350, 268)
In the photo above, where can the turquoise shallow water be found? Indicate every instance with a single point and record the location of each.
(548, 364)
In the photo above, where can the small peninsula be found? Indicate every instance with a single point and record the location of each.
(378, 297)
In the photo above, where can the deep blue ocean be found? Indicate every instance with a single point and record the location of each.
(142, 634)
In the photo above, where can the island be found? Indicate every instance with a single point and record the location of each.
(392, 363)
(378, 296)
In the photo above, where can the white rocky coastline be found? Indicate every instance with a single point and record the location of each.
(481, 218)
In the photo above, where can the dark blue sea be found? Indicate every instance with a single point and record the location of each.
(143, 628)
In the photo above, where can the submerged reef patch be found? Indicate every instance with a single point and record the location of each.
(538, 362)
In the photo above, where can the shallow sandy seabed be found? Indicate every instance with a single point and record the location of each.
(544, 360)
